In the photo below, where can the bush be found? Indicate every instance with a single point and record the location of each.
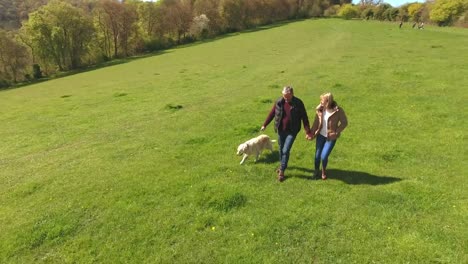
(348, 11)
(414, 11)
(391, 14)
(332, 11)
(445, 12)
(28, 77)
(367, 13)
(200, 24)
(463, 20)
(379, 11)
(4, 84)
(37, 73)
(105, 58)
(156, 44)
(188, 39)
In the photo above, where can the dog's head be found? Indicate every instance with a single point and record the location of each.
(242, 148)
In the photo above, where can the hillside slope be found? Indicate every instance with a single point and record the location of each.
(136, 163)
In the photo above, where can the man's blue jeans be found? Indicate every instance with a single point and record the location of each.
(323, 148)
(285, 142)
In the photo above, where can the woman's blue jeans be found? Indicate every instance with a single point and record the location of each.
(323, 148)
(285, 142)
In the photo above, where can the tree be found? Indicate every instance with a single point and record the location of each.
(444, 12)
(391, 14)
(261, 12)
(199, 26)
(211, 8)
(149, 18)
(26, 7)
(255, 13)
(463, 20)
(426, 10)
(60, 34)
(14, 57)
(281, 9)
(367, 13)
(370, 2)
(153, 26)
(415, 11)
(128, 28)
(107, 19)
(178, 15)
(379, 11)
(331, 11)
(8, 14)
(403, 14)
(232, 12)
(315, 8)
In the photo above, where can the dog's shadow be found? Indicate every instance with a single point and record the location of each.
(269, 157)
(349, 177)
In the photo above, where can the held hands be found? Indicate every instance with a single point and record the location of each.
(311, 135)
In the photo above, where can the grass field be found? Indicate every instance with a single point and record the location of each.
(135, 163)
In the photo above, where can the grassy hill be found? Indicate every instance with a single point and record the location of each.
(135, 163)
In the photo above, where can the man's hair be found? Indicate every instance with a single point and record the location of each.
(288, 89)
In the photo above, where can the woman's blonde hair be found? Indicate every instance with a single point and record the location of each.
(330, 101)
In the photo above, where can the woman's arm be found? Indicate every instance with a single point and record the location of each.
(343, 121)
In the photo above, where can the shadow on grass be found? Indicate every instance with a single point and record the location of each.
(87, 69)
(269, 157)
(349, 177)
(149, 54)
(236, 33)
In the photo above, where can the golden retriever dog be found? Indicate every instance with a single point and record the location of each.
(255, 146)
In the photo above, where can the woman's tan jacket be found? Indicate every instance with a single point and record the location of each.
(337, 122)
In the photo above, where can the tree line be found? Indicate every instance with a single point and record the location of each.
(439, 12)
(63, 35)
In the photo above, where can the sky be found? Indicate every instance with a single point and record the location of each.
(394, 3)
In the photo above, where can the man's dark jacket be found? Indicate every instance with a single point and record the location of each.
(298, 113)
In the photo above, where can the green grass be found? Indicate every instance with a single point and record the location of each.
(135, 163)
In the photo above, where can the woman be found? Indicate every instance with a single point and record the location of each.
(330, 121)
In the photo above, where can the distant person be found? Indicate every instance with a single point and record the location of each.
(414, 24)
(288, 112)
(330, 121)
(401, 24)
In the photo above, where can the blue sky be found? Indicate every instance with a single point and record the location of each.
(395, 3)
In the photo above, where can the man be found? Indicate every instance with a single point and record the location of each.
(288, 111)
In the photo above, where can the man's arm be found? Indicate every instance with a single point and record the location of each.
(270, 117)
(305, 120)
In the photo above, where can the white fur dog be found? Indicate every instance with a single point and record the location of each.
(255, 146)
